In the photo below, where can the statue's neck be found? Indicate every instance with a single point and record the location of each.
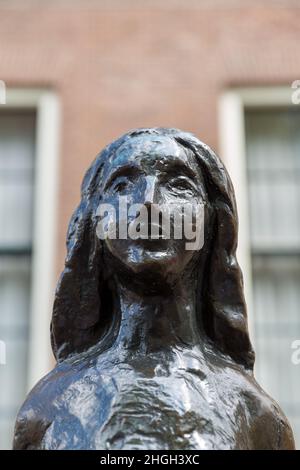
(153, 323)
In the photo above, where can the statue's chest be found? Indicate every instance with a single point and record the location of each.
(127, 411)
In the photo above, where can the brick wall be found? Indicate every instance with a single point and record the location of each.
(123, 64)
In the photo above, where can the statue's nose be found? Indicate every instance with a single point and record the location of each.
(150, 195)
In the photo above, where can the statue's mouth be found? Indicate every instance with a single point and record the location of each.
(154, 231)
(152, 237)
(151, 233)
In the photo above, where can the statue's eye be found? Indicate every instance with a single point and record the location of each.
(121, 185)
(181, 184)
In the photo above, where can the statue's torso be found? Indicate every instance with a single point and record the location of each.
(144, 404)
(126, 408)
(107, 404)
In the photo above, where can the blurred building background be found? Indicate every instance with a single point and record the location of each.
(80, 73)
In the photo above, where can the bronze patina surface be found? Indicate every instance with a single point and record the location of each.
(151, 339)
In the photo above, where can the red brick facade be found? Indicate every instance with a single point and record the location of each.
(123, 64)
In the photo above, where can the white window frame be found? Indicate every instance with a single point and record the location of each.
(232, 140)
(46, 104)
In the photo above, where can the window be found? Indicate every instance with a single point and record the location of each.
(260, 145)
(273, 170)
(17, 150)
(29, 151)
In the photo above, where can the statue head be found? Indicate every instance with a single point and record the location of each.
(153, 168)
(149, 182)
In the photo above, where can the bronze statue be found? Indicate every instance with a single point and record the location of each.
(151, 339)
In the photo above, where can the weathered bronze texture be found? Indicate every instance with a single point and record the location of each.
(151, 339)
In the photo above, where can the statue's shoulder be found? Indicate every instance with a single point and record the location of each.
(270, 426)
(37, 412)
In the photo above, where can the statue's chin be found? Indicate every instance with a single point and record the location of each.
(157, 260)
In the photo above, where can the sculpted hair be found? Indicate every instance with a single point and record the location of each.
(81, 312)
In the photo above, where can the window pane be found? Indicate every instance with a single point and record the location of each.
(16, 178)
(273, 161)
(17, 133)
(273, 148)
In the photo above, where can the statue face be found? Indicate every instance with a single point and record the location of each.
(155, 172)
